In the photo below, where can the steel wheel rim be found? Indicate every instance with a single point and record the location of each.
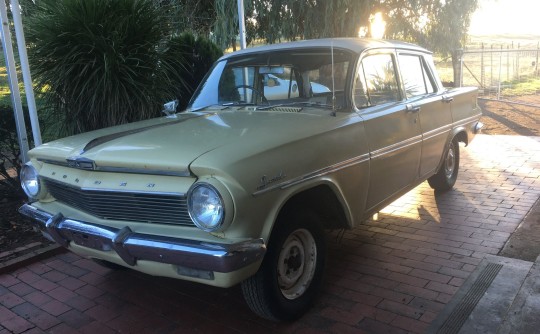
(296, 263)
(450, 161)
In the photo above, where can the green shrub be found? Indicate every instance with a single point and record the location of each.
(198, 55)
(10, 164)
(100, 63)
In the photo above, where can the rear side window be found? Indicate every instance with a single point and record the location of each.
(376, 81)
(415, 78)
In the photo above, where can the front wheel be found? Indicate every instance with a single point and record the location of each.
(447, 175)
(286, 285)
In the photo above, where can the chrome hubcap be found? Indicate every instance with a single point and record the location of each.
(450, 162)
(296, 263)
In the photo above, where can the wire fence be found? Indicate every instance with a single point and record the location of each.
(502, 73)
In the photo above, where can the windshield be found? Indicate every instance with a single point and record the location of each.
(299, 76)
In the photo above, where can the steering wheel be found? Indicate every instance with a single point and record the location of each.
(255, 91)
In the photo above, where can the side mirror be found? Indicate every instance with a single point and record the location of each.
(169, 108)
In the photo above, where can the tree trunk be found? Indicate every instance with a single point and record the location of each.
(456, 65)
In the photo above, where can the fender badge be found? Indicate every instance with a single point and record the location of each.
(266, 181)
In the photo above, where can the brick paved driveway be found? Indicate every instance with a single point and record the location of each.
(393, 274)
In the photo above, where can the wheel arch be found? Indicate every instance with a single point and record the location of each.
(460, 134)
(323, 201)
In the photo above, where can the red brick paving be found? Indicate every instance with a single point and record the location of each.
(393, 274)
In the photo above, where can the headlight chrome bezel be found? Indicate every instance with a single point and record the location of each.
(221, 194)
(30, 174)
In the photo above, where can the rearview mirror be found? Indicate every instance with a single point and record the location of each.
(271, 70)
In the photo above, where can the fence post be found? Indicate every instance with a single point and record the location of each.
(517, 62)
(491, 69)
(536, 64)
(457, 64)
(500, 69)
(508, 63)
(482, 72)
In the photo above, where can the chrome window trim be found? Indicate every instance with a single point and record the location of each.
(318, 173)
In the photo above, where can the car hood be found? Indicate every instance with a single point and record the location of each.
(170, 145)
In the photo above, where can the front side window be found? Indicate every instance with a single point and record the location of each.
(376, 81)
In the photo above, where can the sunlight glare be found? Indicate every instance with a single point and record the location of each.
(378, 25)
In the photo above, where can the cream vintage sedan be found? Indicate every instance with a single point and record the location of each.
(240, 187)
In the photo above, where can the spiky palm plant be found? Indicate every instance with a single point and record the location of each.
(101, 62)
(199, 54)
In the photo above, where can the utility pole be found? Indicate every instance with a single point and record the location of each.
(25, 68)
(241, 24)
(7, 46)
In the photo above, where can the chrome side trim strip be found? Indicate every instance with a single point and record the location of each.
(132, 246)
(396, 147)
(466, 120)
(437, 132)
(318, 173)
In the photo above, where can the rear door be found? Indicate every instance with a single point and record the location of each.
(435, 119)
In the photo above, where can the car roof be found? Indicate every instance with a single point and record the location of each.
(356, 45)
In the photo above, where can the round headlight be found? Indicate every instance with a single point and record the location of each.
(30, 181)
(205, 206)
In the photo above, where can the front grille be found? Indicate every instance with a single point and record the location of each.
(126, 206)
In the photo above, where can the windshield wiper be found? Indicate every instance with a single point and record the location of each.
(306, 103)
(199, 108)
(238, 103)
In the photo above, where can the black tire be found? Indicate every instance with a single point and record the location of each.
(109, 265)
(288, 281)
(448, 172)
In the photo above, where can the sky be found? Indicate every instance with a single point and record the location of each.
(506, 16)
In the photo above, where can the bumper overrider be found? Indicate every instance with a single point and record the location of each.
(131, 246)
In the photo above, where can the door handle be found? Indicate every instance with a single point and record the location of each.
(447, 99)
(412, 108)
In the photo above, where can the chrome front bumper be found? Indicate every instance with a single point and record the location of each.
(131, 246)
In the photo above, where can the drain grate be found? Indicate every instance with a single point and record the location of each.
(461, 312)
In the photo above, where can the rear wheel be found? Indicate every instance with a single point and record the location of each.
(447, 175)
(286, 285)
